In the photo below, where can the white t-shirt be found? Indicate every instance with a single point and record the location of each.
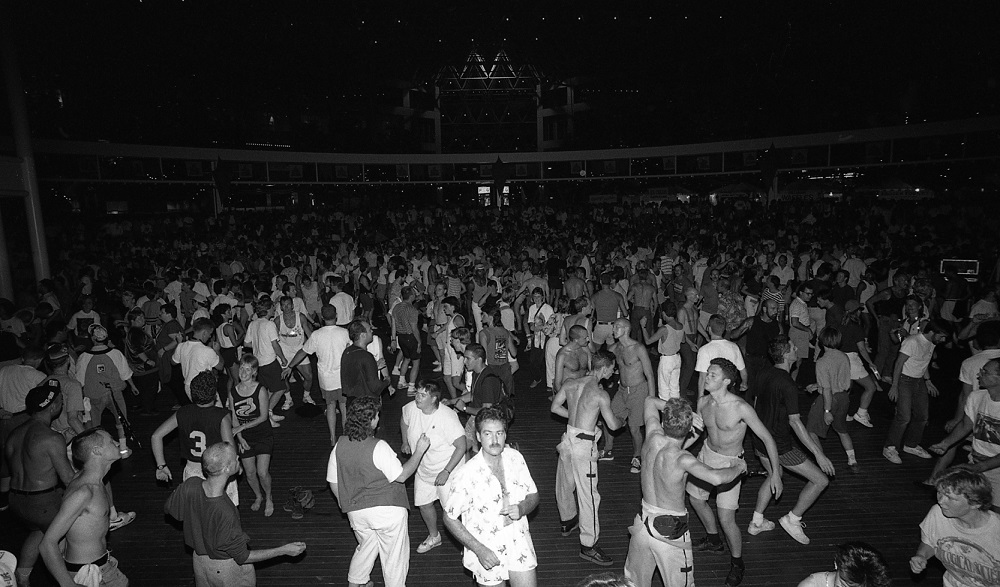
(920, 351)
(985, 416)
(383, 457)
(328, 344)
(442, 429)
(969, 556)
(260, 334)
(969, 371)
(725, 349)
(194, 358)
(345, 305)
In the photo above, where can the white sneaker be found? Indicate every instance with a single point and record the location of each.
(287, 405)
(794, 529)
(863, 419)
(916, 451)
(765, 526)
(411, 391)
(306, 398)
(892, 455)
(395, 370)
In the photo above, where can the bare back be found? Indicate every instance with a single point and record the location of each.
(724, 422)
(586, 401)
(664, 473)
(36, 456)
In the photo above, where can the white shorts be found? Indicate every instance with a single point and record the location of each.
(453, 365)
(518, 556)
(858, 370)
(425, 492)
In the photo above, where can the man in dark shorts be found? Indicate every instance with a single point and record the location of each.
(775, 397)
(199, 425)
(39, 467)
(637, 382)
(405, 330)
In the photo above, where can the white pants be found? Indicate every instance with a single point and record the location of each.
(668, 376)
(381, 532)
(577, 471)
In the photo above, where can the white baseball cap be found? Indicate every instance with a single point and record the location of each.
(8, 562)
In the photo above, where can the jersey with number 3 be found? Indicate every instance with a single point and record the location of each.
(198, 429)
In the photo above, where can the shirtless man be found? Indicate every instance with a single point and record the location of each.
(727, 417)
(38, 464)
(636, 383)
(660, 537)
(642, 295)
(575, 287)
(83, 518)
(573, 360)
(687, 315)
(581, 401)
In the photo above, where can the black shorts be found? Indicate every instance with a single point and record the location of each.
(229, 356)
(408, 344)
(261, 443)
(270, 377)
(37, 511)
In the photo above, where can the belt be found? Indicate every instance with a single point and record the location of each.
(39, 492)
(74, 567)
(585, 436)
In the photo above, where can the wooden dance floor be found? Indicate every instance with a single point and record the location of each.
(881, 506)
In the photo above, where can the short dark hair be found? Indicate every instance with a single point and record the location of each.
(169, 309)
(717, 325)
(203, 388)
(476, 349)
(729, 371)
(360, 413)
(861, 565)
(432, 387)
(777, 348)
(203, 325)
(830, 337)
(492, 413)
(356, 329)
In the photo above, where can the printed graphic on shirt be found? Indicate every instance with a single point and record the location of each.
(987, 429)
(971, 563)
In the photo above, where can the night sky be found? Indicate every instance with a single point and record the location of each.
(202, 73)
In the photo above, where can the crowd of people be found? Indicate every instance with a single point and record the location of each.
(610, 309)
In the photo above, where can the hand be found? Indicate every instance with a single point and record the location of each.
(244, 445)
(828, 417)
(487, 558)
(932, 389)
(286, 372)
(642, 321)
(742, 466)
(442, 478)
(381, 364)
(950, 424)
(893, 392)
(164, 475)
(825, 464)
(460, 405)
(423, 443)
(812, 387)
(938, 449)
(405, 448)
(294, 548)
(774, 482)
(512, 511)
(917, 564)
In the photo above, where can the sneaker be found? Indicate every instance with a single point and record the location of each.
(307, 399)
(395, 370)
(849, 418)
(566, 528)
(401, 384)
(605, 455)
(276, 417)
(892, 455)
(123, 519)
(917, 451)
(794, 529)
(735, 576)
(287, 405)
(636, 465)
(863, 419)
(438, 369)
(703, 544)
(765, 526)
(429, 543)
(411, 390)
(596, 556)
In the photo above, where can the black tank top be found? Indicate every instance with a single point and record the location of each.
(198, 429)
